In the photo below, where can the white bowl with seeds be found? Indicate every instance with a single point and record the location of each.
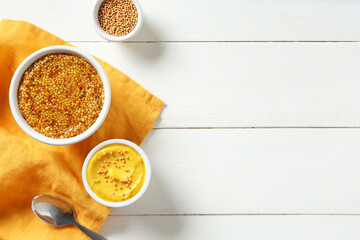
(117, 20)
(51, 93)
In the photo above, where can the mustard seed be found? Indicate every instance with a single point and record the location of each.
(118, 17)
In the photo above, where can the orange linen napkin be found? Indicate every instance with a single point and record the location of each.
(29, 168)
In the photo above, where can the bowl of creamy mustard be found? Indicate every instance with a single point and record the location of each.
(116, 173)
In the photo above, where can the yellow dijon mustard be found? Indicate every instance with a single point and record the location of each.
(116, 172)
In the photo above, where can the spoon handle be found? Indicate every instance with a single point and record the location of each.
(91, 234)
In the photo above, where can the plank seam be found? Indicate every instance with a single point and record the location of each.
(237, 214)
(271, 127)
(127, 42)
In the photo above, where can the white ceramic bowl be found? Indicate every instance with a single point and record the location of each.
(17, 77)
(142, 190)
(109, 37)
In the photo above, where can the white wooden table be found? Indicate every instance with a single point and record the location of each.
(260, 137)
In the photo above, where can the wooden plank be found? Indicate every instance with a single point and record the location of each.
(202, 20)
(245, 84)
(251, 171)
(232, 227)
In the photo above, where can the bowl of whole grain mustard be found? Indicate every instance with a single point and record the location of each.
(117, 20)
(116, 173)
(59, 95)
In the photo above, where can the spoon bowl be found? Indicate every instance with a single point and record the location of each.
(58, 212)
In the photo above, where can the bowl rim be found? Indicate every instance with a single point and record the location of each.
(17, 77)
(109, 37)
(143, 188)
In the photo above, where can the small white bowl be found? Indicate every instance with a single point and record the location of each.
(142, 190)
(16, 80)
(109, 37)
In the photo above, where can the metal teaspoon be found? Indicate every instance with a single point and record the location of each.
(58, 212)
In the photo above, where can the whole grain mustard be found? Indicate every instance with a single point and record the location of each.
(60, 95)
(116, 172)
